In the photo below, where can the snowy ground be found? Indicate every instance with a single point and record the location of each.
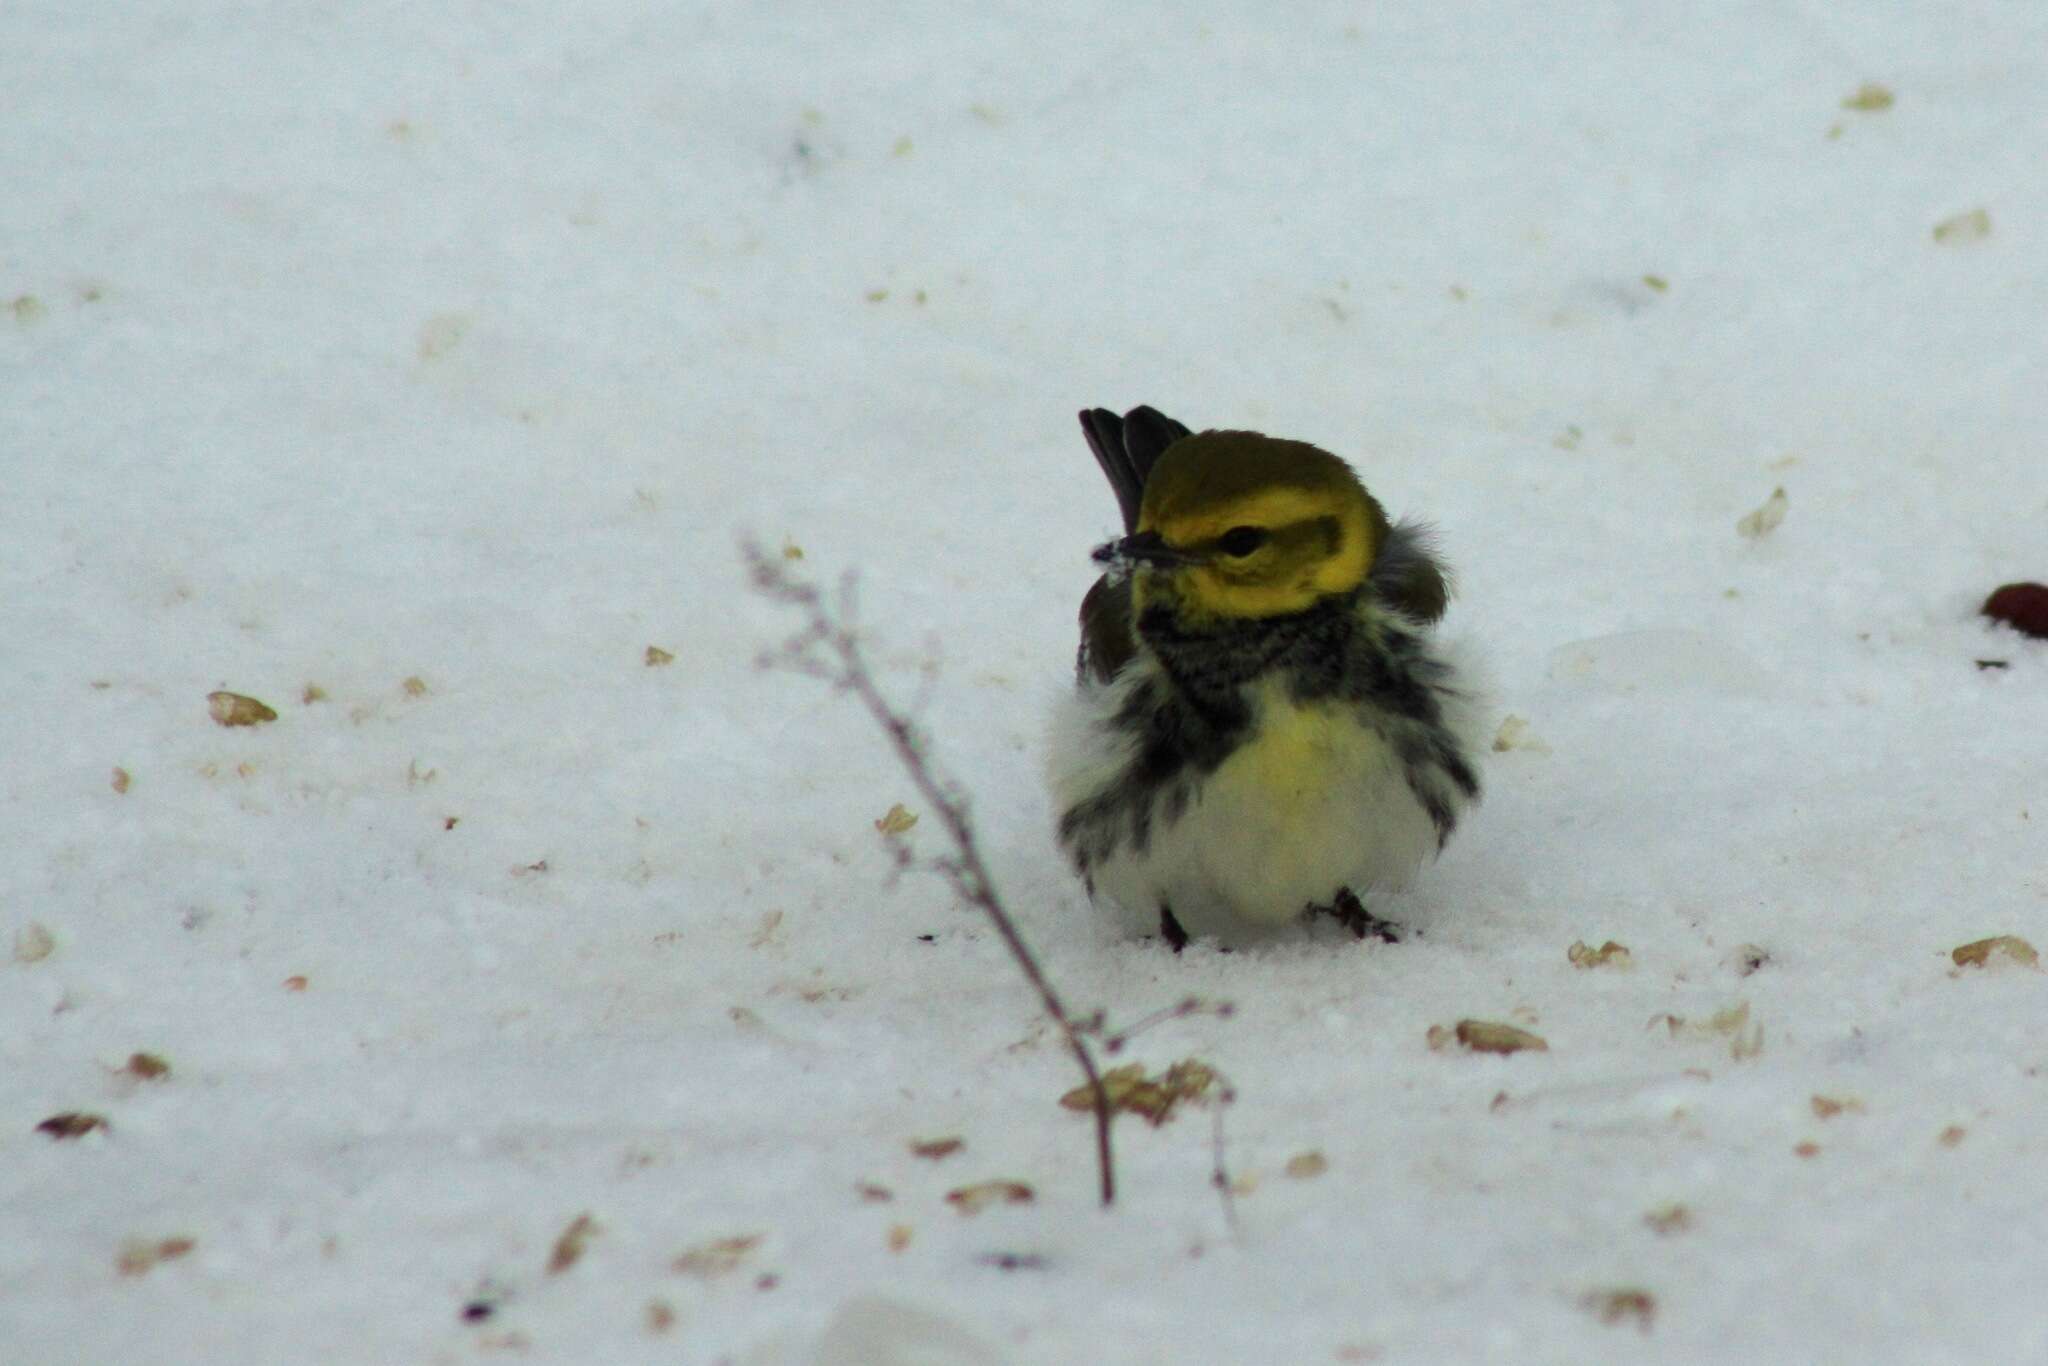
(434, 357)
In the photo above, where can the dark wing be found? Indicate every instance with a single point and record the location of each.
(1127, 448)
(1107, 641)
(1408, 576)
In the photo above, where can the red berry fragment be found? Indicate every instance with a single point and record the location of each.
(2022, 606)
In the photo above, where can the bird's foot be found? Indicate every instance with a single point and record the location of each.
(1169, 929)
(1347, 910)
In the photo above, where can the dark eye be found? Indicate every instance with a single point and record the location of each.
(1241, 541)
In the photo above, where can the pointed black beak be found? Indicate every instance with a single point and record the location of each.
(1146, 548)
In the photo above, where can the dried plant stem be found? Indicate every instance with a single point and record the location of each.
(1219, 1169)
(1193, 1005)
(829, 648)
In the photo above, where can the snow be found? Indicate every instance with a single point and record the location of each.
(351, 345)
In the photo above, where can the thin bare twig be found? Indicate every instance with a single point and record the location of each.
(1193, 1005)
(829, 648)
(1219, 1172)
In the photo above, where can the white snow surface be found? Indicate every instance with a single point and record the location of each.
(346, 345)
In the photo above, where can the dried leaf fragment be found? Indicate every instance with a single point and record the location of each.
(873, 1193)
(1827, 1107)
(33, 942)
(1730, 1020)
(414, 686)
(719, 1257)
(1870, 98)
(896, 820)
(570, 1246)
(899, 1237)
(296, 982)
(1952, 1136)
(656, 657)
(1764, 520)
(1747, 1043)
(1492, 1036)
(120, 780)
(936, 1149)
(661, 1317)
(1608, 955)
(147, 1067)
(1129, 1089)
(1303, 1166)
(1623, 1304)
(976, 1198)
(233, 709)
(138, 1255)
(71, 1124)
(1973, 226)
(1983, 953)
(1669, 1219)
(1807, 1149)
(1514, 733)
(313, 693)
(1747, 958)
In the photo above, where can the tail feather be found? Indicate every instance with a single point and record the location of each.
(1127, 448)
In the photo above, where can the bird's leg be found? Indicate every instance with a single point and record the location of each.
(1347, 910)
(1170, 930)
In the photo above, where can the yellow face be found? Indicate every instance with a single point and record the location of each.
(1255, 527)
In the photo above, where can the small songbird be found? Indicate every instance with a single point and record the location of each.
(1263, 728)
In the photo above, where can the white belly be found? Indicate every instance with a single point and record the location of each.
(1315, 802)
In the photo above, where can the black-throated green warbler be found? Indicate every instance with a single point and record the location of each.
(1263, 728)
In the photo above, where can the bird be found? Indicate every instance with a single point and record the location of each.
(1264, 727)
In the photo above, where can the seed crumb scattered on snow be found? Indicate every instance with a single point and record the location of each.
(234, 709)
(976, 1198)
(1486, 1036)
(33, 942)
(1302, 1166)
(2001, 948)
(1608, 955)
(1974, 225)
(1767, 517)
